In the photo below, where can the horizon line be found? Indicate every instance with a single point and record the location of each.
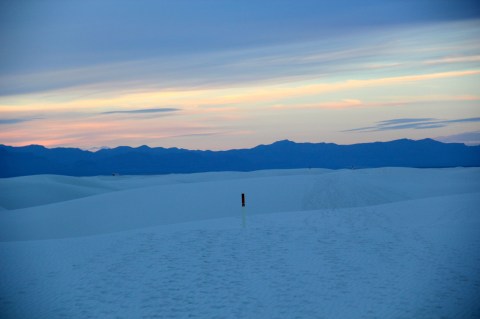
(96, 149)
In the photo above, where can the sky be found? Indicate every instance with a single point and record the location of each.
(235, 74)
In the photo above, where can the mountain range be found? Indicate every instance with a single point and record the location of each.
(144, 160)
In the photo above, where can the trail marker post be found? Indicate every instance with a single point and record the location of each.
(243, 210)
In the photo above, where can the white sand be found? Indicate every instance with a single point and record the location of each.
(376, 243)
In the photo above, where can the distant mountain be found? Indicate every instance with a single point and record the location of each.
(35, 159)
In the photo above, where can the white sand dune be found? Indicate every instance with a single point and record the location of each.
(376, 243)
(31, 191)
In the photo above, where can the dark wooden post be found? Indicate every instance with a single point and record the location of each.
(243, 211)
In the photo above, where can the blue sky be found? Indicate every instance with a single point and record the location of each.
(232, 74)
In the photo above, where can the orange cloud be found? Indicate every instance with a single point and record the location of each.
(346, 103)
(273, 93)
(349, 103)
(455, 59)
(189, 99)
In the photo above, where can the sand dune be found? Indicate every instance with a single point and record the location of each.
(387, 243)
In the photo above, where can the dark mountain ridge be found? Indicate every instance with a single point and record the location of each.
(143, 160)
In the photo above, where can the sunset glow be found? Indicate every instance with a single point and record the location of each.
(216, 95)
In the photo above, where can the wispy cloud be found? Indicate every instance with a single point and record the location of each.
(343, 104)
(404, 120)
(411, 123)
(471, 119)
(326, 57)
(356, 103)
(17, 120)
(414, 70)
(455, 59)
(143, 111)
(468, 138)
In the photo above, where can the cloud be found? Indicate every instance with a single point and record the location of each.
(322, 58)
(404, 120)
(143, 111)
(97, 31)
(468, 138)
(471, 119)
(343, 104)
(411, 123)
(17, 120)
(356, 103)
(455, 59)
